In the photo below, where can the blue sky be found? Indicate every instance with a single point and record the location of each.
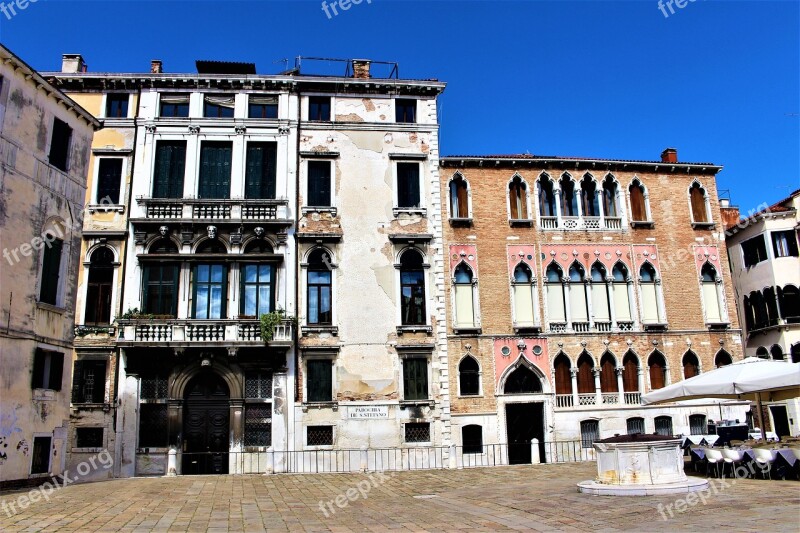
(718, 80)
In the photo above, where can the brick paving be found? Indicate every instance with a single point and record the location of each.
(524, 498)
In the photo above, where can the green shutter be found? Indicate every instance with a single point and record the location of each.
(215, 170)
(169, 170)
(56, 370)
(260, 172)
(37, 381)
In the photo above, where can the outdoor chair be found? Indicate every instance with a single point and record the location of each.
(764, 460)
(733, 458)
(714, 457)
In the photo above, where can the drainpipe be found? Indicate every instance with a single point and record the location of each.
(118, 443)
(296, 266)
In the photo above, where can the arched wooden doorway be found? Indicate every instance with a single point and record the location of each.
(206, 423)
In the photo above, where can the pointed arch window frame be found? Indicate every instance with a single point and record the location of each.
(532, 286)
(524, 202)
(648, 223)
(455, 202)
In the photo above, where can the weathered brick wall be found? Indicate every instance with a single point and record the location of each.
(672, 234)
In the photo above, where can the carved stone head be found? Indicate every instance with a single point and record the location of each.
(212, 232)
(259, 231)
(163, 230)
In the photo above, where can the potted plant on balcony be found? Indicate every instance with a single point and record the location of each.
(135, 314)
(269, 321)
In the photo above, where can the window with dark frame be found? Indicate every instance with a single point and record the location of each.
(638, 202)
(261, 170)
(697, 196)
(210, 291)
(319, 108)
(319, 435)
(153, 425)
(40, 458)
(218, 106)
(89, 381)
(415, 379)
(635, 425)
(697, 425)
(170, 169)
(319, 184)
(48, 369)
(408, 193)
(590, 431)
(89, 437)
(754, 250)
(258, 385)
(319, 309)
(319, 380)
(405, 110)
(664, 426)
(116, 106)
(412, 289)
(174, 106)
(784, 243)
(472, 439)
(262, 107)
(109, 177)
(469, 377)
(160, 288)
(60, 139)
(51, 270)
(258, 288)
(258, 424)
(417, 432)
(98, 289)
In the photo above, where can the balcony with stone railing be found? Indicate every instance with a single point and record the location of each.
(188, 332)
(605, 400)
(585, 223)
(202, 210)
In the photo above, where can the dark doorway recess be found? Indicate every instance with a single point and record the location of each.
(524, 422)
(206, 425)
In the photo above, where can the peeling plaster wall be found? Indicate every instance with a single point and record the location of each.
(33, 197)
(366, 306)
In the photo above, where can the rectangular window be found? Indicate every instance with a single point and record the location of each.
(590, 431)
(59, 145)
(116, 106)
(319, 436)
(210, 292)
(51, 270)
(418, 432)
(784, 243)
(174, 106)
(48, 369)
(218, 106)
(40, 459)
(262, 107)
(153, 387)
(465, 315)
(697, 425)
(260, 171)
(215, 170)
(89, 437)
(258, 425)
(319, 184)
(405, 110)
(153, 428)
(258, 289)
(160, 289)
(754, 250)
(319, 382)
(635, 425)
(109, 176)
(664, 426)
(408, 185)
(89, 381)
(415, 378)
(258, 385)
(319, 297)
(319, 108)
(169, 170)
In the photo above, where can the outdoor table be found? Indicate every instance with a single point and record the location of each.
(771, 435)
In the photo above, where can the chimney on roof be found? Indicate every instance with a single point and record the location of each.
(361, 69)
(72, 63)
(730, 213)
(156, 66)
(670, 155)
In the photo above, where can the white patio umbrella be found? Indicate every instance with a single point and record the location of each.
(748, 379)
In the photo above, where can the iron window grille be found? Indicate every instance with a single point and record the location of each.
(89, 438)
(319, 435)
(418, 432)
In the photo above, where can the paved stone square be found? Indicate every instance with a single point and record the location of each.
(525, 498)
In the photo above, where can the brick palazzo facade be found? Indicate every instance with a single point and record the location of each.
(576, 285)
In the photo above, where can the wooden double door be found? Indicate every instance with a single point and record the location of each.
(206, 426)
